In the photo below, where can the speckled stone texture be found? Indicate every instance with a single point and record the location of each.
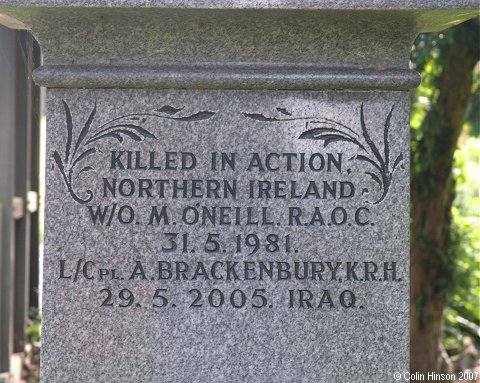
(282, 4)
(328, 36)
(355, 332)
(245, 218)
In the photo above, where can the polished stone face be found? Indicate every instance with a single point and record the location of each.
(259, 4)
(226, 236)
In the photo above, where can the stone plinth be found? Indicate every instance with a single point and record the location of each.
(227, 188)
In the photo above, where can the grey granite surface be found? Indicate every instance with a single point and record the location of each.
(256, 4)
(309, 100)
(234, 49)
(188, 37)
(356, 329)
(224, 77)
(238, 45)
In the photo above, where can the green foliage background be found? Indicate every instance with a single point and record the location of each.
(463, 312)
(462, 316)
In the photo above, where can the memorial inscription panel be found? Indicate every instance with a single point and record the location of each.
(226, 236)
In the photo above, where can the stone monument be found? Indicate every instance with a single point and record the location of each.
(227, 187)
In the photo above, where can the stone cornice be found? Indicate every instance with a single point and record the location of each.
(257, 4)
(224, 77)
(266, 46)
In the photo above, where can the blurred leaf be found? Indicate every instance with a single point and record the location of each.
(169, 109)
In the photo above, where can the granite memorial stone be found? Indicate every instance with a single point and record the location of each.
(227, 188)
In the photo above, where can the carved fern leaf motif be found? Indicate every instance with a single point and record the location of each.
(120, 128)
(330, 131)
